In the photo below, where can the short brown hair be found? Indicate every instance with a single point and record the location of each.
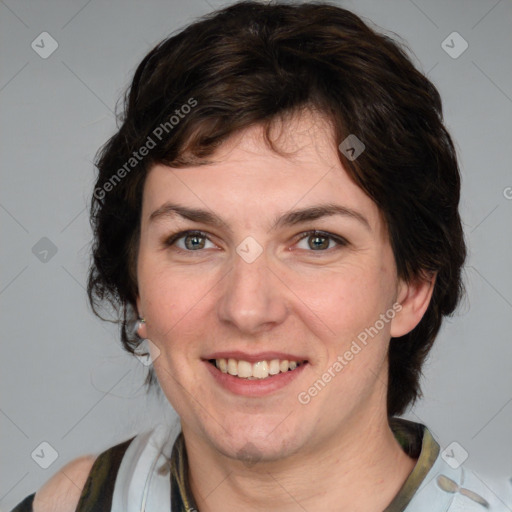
(253, 63)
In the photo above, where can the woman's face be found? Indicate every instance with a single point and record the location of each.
(251, 288)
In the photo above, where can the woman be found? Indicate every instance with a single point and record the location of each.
(277, 222)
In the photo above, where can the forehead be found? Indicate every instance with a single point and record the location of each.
(248, 181)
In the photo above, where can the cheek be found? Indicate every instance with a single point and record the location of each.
(169, 296)
(349, 305)
(345, 302)
(159, 302)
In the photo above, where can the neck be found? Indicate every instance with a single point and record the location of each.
(362, 468)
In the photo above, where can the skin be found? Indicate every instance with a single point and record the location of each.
(293, 299)
(62, 492)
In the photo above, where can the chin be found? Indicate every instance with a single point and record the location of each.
(260, 441)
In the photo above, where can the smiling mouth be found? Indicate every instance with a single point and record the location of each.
(255, 371)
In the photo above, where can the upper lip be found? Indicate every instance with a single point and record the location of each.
(254, 358)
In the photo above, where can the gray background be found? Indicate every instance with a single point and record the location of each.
(64, 377)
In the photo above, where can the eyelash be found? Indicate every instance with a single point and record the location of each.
(171, 240)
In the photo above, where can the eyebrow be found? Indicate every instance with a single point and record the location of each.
(311, 213)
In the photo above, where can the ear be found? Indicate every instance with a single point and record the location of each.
(414, 298)
(141, 326)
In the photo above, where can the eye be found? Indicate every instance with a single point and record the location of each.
(190, 241)
(320, 241)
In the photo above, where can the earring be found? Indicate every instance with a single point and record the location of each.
(137, 325)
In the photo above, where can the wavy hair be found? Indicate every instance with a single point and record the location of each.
(253, 63)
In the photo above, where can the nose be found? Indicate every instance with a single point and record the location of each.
(253, 298)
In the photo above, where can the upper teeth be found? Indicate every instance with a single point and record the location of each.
(258, 370)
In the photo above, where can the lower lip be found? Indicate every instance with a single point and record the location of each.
(254, 387)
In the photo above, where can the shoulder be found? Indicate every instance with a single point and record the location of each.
(443, 479)
(62, 492)
(93, 481)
